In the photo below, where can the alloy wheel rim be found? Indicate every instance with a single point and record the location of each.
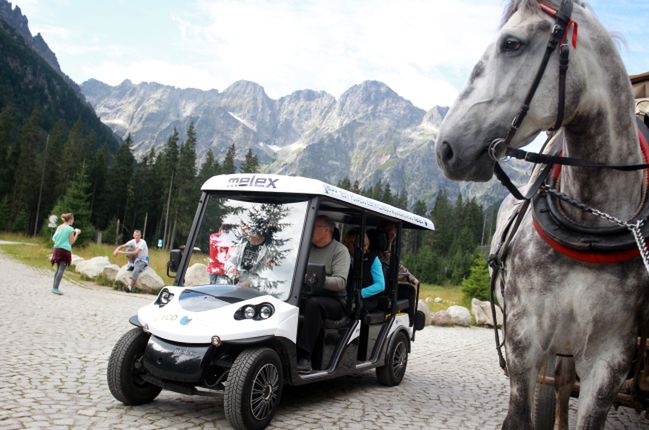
(399, 359)
(265, 391)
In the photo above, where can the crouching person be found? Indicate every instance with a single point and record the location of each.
(138, 256)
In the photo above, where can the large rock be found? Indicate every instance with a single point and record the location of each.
(482, 312)
(197, 275)
(110, 272)
(442, 318)
(423, 307)
(76, 260)
(148, 281)
(460, 315)
(93, 267)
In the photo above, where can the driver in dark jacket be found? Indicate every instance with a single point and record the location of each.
(335, 257)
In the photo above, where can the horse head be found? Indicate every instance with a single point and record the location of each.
(501, 80)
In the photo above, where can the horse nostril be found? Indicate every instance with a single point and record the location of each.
(446, 152)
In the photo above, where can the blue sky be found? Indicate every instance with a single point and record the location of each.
(422, 49)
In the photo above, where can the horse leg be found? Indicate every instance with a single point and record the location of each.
(601, 377)
(523, 368)
(564, 380)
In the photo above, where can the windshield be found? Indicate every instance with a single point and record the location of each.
(249, 244)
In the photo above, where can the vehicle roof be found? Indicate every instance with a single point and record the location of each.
(281, 184)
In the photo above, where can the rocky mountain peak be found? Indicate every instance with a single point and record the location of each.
(246, 89)
(373, 100)
(16, 20)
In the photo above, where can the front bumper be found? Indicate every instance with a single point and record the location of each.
(178, 362)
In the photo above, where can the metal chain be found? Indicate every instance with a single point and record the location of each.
(634, 228)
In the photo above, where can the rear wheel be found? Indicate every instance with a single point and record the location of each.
(125, 370)
(253, 389)
(396, 361)
(545, 401)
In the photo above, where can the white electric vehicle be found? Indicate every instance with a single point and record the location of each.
(234, 334)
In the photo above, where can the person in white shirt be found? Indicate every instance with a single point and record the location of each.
(138, 253)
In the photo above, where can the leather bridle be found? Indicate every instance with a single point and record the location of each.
(499, 148)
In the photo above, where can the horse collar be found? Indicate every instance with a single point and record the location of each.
(587, 244)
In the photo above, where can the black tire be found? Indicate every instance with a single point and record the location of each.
(396, 361)
(545, 400)
(253, 389)
(124, 372)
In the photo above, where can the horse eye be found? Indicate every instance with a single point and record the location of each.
(511, 45)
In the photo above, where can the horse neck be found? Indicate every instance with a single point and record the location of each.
(606, 134)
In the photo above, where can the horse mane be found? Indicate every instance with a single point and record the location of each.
(530, 6)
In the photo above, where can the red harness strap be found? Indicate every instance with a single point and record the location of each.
(587, 256)
(552, 11)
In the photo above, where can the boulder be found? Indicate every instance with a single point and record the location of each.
(423, 307)
(76, 260)
(148, 281)
(110, 272)
(442, 318)
(197, 275)
(482, 312)
(93, 267)
(460, 315)
(438, 300)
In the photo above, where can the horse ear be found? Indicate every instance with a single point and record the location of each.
(514, 5)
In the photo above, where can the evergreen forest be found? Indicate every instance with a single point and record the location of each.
(56, 156)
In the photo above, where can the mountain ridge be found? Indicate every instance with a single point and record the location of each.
(369, 133)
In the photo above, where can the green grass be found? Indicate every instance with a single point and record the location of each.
(37, 254)
(450, 295)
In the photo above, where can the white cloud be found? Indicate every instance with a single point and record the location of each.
(333, 45)
(423, 50)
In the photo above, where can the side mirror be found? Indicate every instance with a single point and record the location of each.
(174, 261)
(420, 320)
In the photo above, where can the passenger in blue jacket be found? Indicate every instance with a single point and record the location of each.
(373, 277)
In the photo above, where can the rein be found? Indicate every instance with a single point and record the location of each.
(498, 150)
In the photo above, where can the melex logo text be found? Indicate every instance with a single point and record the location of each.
(252, 181)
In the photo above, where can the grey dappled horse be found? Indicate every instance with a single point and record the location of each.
(555, 304)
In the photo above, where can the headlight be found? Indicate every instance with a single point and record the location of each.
(249, 312)
(265, 311)
(262, 311)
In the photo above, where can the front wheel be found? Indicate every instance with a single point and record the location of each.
(125, 370)
(253, 389)
(545, 400)
(396, 361)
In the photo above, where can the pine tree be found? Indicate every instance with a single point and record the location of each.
(5, 213)
(99, 184)
(29, 164)
(8, 131)
(165, 167)
(345, 183)
(188, 191)
(77, 200)
(476, 285)
(120, 188)
(75, 152)
(227, 166)
(250, 163)
(209, 168)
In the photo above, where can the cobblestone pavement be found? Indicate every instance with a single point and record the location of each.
(54, 352)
